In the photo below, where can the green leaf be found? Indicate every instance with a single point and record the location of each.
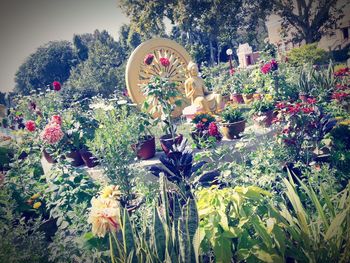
(159, 235)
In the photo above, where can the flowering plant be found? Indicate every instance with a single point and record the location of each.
(304, 126)
(231, 114)
(270, 66)
(205, 131)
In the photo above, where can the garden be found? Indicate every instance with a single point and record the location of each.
(76, 185)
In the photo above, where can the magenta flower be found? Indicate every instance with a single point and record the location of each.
(56, 85)
(165, 62)
(148, 59)
(30, 126)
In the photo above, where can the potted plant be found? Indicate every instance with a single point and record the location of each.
(162, 96)
(262, 111)
(205, 132)
(145, 148)
(232, 122)
(236, 82)
(248, 92)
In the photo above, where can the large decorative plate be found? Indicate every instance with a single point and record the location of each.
(139, 74)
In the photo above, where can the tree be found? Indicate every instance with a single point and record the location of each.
(52, 61)
(102, 72)
(310, 18)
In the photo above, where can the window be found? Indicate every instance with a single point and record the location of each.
(345, 32)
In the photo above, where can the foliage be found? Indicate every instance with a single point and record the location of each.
(231, 224)
(231, 114)
(306, 54)
(116, 132)
(21, 240)
(262, 106)
(52, 61)
(101, 71)
(172, 234)
(162, 96)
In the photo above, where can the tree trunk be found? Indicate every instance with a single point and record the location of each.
(212, 59)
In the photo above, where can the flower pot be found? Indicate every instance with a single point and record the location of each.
(75, 157)
(237, 98)
(166, 141)
(146, 148)
(232, 130)
(48, 157)
(256, 96)
(248, 98)
(264, 119)
(89, 160)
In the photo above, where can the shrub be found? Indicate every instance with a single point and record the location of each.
(307, 54)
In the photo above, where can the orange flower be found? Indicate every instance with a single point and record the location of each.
(204, 120)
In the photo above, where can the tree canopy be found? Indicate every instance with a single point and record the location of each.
(52, 61)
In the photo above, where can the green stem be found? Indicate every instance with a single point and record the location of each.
(111, 248)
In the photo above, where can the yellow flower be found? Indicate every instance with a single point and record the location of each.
(104, 216)
(346, 122)
(111, 191)
(35, 196)
(268, 97)
(37, 205)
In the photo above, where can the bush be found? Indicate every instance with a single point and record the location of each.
(305, 54)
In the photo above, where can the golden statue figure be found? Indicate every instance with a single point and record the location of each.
(198, 94)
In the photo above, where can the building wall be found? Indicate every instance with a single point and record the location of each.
(337, 38)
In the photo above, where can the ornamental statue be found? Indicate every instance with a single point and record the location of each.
(198, 94)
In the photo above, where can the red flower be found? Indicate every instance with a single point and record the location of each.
(56, 85)
(165, 62)
(307, 110)
(56, 119)
(293, 109)
(213, 129)
(148, 59)
(280, 105)
(200, 126)
(286, 130)
(232, 71)
(30, 126)
(340, 87)
(266, 68)
(311, 100)
(339, 95)
(342, 72)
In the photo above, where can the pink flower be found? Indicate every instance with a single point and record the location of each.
(52, 133)
(200, 126)
(311, 100)
(232, 71)
(148, 59)
(56, 86)
(56, 119)
(280, 105)
(307, 110)
(165, 62)
(30, 126)
(213, 129)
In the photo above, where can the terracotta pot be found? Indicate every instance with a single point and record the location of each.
(76, 158)
(256, 96)
(145, 149)
(265, 119)
(232, 130)
(48, 157)
(89, 160)
(166, 141)
(248, 98)
(237, 98)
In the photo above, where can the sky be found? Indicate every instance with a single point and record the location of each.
(27, 24)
